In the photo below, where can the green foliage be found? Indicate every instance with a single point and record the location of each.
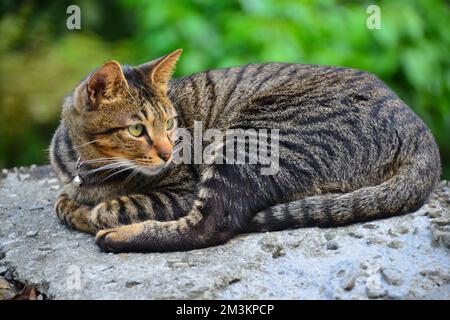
(41, 61)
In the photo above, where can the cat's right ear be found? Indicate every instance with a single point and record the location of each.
(106, 83)
(158, 72)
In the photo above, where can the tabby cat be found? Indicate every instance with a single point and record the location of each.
(349, 150)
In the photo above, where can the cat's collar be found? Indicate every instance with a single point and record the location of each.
(80, 163)
(78, 179)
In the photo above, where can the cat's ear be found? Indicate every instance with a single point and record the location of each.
(106, 82)
(159, 71)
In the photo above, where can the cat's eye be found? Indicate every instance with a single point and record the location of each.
(136, 130)
(170, 124)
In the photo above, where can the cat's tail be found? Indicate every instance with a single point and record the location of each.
(404, 192)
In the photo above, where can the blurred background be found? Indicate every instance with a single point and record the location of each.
(41, 61)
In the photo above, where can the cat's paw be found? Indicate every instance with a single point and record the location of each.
(73, 214)
(64, 208)
(59, 203)
(105, 240)
(120, 239)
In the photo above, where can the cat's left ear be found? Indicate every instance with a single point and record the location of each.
(158, 72)
(106, 82)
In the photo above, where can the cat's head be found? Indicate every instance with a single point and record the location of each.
(123, 115)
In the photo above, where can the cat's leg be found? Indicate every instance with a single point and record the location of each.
(130, 209)
(74, 214)
(220, 210)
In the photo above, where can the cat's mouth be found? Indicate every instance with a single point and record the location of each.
(154, 169)
(116, 165)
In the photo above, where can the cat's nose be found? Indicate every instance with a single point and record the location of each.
(163, 149)
(164, 156)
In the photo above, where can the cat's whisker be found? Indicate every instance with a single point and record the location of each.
(84, 144)
(182, 141)
(103, 160)
(117, 172)
(176, 149)
(114, 165)
(131, 175)
(187, 127)
(177, 143)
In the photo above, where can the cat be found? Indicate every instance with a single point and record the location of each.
(349, 150)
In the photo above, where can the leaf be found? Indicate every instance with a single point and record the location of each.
(28, 293)
(6, 289)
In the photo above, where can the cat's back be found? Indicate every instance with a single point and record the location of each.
(340, 115)
(218, 85)
(251, 79)
(219, 94)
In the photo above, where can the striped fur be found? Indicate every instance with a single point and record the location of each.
(350, 150)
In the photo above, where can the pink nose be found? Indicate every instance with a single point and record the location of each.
(164, 156)
(163, 149)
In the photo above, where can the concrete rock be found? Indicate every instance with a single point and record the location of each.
(332, 245)
(295, 264)
(374, 287)
(392, 276)
(398, 230)
(395, 244)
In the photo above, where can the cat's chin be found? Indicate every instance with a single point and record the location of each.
(153, 170)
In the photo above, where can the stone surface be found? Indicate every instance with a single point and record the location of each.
(405, 257)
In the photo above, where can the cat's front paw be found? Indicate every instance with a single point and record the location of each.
(120, 239)
(105, 240)
(73, 214)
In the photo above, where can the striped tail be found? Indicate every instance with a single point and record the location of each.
(405, 192)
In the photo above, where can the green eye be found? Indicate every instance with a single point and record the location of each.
(170, 124)
(136, 130)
